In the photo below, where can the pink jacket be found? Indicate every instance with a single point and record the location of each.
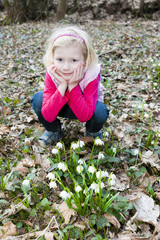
(82, 99)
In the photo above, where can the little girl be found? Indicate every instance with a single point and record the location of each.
(72, 85)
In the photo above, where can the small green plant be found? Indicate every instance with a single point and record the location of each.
(89, 186)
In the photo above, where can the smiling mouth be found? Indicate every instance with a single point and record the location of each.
(67, 73)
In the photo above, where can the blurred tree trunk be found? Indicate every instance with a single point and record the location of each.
(23, 10)
(15, 10)
(61, 10)
(141, 9)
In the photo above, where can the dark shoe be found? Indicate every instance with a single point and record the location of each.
(96, 134)
(48, 138)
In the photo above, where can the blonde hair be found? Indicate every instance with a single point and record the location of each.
(73, 34)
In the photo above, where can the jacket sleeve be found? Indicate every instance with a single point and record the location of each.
(83, 104)
(53, 101)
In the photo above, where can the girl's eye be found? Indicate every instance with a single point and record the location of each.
(60, 59)
(74, 60)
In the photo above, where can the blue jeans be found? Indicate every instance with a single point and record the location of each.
(93, 125)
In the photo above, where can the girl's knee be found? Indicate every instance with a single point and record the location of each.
(37, 101)
(101, 113)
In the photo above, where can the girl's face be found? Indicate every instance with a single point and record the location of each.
(67, 59)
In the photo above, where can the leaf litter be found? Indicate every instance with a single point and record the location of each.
(129, 52)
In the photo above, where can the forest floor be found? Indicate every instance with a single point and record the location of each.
(129, 52)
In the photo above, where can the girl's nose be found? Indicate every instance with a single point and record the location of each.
(66, 65)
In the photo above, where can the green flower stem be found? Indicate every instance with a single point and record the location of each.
(64, 152)
(26, 196)
(91, 153)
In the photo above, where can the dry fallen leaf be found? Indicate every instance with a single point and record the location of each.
(8, 229)
(66, 212)
(122, 182)
(113, 220)
(21, 168)
(4, 129)
(151, 158)
(147, 210)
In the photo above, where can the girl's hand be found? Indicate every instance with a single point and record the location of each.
(77, 76)
(62, 83)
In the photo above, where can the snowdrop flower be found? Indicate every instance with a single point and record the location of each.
(112, 182)
(101, 174)
(78, 188)
(59, 145)
(113, 176)
(95, 187)
(135, 151)
(74, 146)
(151, 105)
(62, 166)
(149, 77)
(114, 150)
(79, 168)
(146, 115)
(100, 156)
(26, 184)
(112, 179)
(53, 184)
(102, 185)
(80, 161)
(80, 143)
(51, 176)
(27, 141)
(91, 169)
(54, 151)
(99, 142)
(155, 84)
(65, 195)
(106, 134)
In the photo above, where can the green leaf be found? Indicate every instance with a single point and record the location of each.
(33, 212)
(102, 222)
(98, 237)
(3, 201)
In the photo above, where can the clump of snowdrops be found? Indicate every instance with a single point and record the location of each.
(88, 187)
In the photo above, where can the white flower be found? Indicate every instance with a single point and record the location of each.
(112, 176)
(59, 145)
(112, 182)
(101, 174)
(99, 142)
(100, 156)
(95, 187)
(26, 184)
(114, 150)
(27, 141)
(140, 107)
(53, 184)
(54, 151)
(80, 143)
(155, 84)
(65, 195)
(151, 105)
(135, 151)
(74, 146)
(80, 161)
(78, 188)
(106, 134)
(102, 185)
(51, 176)
(146, 115)
(62, 166)
(91, 169)
(112, 179)
(79, 168)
